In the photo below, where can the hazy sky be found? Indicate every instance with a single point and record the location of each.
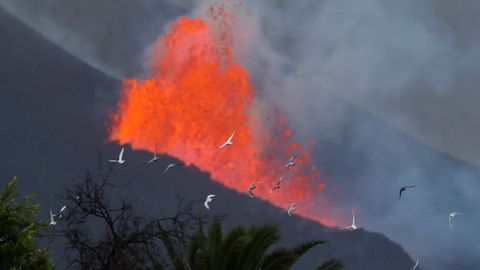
(413, 64)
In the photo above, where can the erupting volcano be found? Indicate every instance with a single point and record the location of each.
(194, 97)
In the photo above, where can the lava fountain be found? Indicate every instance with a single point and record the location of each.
(195, 96)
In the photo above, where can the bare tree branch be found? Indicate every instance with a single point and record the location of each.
(106, 234)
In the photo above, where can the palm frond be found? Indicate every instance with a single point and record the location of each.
(201, 259)
(300, 249)
(176, 259)
(334, 264)
(155, 263)
(195, 245)
(196, 253)
(214, 241)
(232, 245)
(279, 259)
(284, 258)
(262, 238)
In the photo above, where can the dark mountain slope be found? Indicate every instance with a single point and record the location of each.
(49, 107)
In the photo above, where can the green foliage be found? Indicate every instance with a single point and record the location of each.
(240, 248)
(18, 228)
(170, 247)
(284, 259)
(334, 264)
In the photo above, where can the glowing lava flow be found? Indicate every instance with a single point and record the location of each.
(194, 98)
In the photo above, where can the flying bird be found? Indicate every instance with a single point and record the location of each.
(154, 158)
(228, 142)
(451, 217)
(250, 189)
(52, 220)
(292, 209)
(353, 226)
(402, 189)
(416, 264)
(120, 159)
(60, 214)
(209, 199)
(277, 185)
(172, 165)
(291, 163)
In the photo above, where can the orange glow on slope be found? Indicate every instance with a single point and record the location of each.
(194, 98)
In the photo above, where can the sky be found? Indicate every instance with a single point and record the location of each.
(409, 65)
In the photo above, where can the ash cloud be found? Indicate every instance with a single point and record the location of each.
(360, 77)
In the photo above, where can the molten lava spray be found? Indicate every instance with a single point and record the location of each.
(195, 96)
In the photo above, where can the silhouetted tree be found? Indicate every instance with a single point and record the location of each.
(104, 233)
(18, 229)
(333, 264)
(240, 248)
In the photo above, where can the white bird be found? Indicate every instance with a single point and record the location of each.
(60, 214)
(172, 165)
(209, 199)
(155, 157)
(228, 142)
(120, 159)
(277, 185)
(353, 226)
(416, 264)
(52, 221)
(292, 209)
(250, 189)
(451, 217)
(291, 163)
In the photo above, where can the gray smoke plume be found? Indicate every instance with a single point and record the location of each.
(341, 69)
(386, 88)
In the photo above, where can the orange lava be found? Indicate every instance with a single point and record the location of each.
(194, 97)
